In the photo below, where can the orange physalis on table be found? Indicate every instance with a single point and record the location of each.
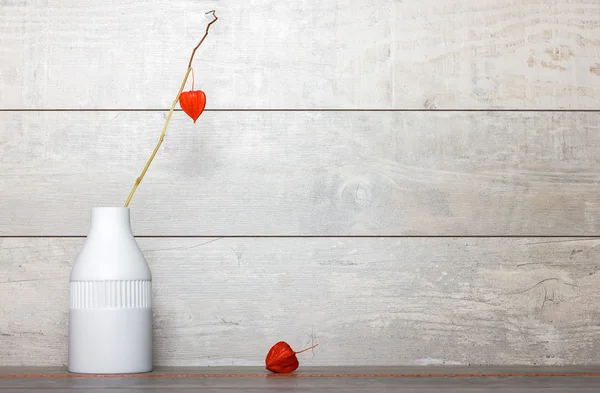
(193, 102)
(282, 358)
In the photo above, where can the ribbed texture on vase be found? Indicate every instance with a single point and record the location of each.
(111, 294)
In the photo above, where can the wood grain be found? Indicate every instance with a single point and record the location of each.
(330, 379)
(496, 54)
(312, 372)
(299, 173)
(304, 54)
(377, 301)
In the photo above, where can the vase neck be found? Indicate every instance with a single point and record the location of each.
(110, 220)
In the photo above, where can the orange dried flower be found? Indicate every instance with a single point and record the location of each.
(282, 358)
(193, 103)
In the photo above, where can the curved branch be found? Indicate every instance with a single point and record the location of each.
(164, 130)
(160, 140)
(205, 34)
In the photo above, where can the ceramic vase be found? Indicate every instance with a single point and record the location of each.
(110, 300)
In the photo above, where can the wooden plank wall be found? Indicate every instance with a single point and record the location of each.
(404, 183)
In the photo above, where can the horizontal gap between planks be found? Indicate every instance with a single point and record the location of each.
(573, 237)
(299, 110)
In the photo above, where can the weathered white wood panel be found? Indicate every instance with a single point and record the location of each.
(106, 54)
(299, 173)
(366, 301)
(303, 54)
(496, 54)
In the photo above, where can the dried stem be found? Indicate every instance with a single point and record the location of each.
(205, 34)
(164, 130)
(160, 141)
(307, 349)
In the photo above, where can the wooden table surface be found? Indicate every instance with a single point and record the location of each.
(329, 379)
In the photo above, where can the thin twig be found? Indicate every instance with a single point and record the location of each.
(164, 130)
(304, 350)
(160, 141)
(202, 40)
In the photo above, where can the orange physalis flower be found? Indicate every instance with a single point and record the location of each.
(282, 358)
(193, 102)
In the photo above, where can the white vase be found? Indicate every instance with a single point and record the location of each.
(110, 310)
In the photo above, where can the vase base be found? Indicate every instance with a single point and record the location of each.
(108, 373)
(110, 341)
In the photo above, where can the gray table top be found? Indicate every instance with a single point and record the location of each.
(326, 379)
